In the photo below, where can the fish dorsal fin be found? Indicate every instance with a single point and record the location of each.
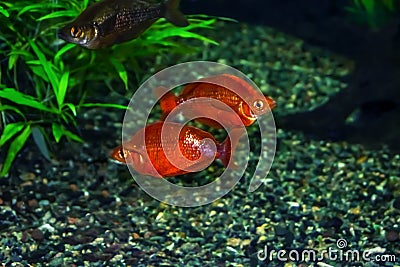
(168, 102)
(173, 15)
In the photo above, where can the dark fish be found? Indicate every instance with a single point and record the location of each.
(115, 21)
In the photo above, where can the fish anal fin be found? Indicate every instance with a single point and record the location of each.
(174, 15)
(228, 146)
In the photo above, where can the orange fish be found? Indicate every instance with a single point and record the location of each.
(199, 149)
(259, 104)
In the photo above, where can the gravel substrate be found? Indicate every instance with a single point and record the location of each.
(83, 210)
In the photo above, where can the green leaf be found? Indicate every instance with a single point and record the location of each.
(39, 7)
(14, 149)
(22, 99)
(58, 131)
(38, 71)
(12, 59)
(121, 71)
(12, 108)
(40, 142)
(103, 105)
(21, 52)
(352, 10)
(14, 55)
(162, 30)
(62, 51)
(57, 14)
(369, 6)
(62, 89)
(357, 4)
(4, 12)
(207, 18)
(72, 136)
(67, 118)
(30, 8)
(71, 107)
(389, 4)
(180, 32)
(47, 66)
(10, 130)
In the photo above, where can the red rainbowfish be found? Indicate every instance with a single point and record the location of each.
(245, 100)
(198, 148)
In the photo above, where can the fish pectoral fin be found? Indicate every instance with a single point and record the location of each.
(139, 154)
(106, 26)
(174, 15)
(133, 149)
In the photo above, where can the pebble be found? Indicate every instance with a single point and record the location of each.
(396, 203)
(33, 203)
(281, 230)
(392, 235)
(44, 202)
(312, 196)
(334, 222)
(47, 227)
(234, 242)
(37, 235)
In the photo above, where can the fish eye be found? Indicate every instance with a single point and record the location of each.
(258, 104)
(121, 153)
(76, 32)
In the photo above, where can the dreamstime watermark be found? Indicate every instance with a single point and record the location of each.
(142, 104)
(339, 254)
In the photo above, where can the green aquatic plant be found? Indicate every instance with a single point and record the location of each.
(45, 83)
(375, 13)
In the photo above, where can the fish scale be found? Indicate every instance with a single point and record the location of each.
(188, 142)
(128, 18)
(227, 96)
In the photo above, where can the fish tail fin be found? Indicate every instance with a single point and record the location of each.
(226, 148)
(174, 15)
(271, 102)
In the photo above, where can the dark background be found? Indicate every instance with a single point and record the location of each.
(374, 85)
